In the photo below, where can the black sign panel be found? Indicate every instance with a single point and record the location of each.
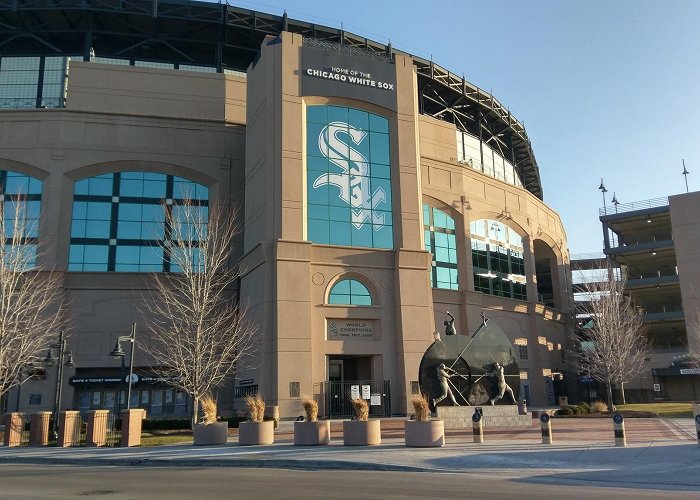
(336, 74)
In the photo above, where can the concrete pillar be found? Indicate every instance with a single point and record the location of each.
(13, 428)
(131, 427)
(97, 428)
(68, 428)
(39, 428)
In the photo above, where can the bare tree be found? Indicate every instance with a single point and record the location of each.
(31, 300)
(612, 346)
(200, 333)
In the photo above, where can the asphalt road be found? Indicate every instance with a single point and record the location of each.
(52, 481)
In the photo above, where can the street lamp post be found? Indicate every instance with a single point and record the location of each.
(64, 359)
(118, 352)
(603, 190)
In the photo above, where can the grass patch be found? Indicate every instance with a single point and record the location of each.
(669, 410)
(149, 439)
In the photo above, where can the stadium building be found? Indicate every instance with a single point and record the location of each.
(378, 191)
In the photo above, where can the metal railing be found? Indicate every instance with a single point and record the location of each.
(348, 49)
(633, 206)
(338, 397)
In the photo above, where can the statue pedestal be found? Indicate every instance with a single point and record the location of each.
(460, 417)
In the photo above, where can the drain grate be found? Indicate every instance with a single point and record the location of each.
(94, 493)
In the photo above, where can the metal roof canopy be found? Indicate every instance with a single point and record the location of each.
(198, 33)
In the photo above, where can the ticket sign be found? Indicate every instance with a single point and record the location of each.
(365, 392)
(354, 392)
(375, 400)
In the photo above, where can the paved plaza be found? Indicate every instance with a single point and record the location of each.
(661, 453)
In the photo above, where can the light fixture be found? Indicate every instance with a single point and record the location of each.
(653, 252)
(117, 352)
(648, 220)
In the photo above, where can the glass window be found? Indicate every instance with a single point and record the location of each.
(21, 198)
(441, 241)
(350, 292)
(498, 259)
(119, 219)
(348, 177)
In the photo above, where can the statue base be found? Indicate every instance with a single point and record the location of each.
(460, 417)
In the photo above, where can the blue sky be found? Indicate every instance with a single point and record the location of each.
(605, 88)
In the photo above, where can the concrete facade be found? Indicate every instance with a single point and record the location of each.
(244, 138)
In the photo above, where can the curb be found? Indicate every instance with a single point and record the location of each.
(248, 463)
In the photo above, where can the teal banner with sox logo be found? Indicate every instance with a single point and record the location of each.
(348, 177)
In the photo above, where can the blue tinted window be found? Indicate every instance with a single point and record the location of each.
(119, 218)
(350, 292)
(21, 199)
(441, 241)
(348, 171)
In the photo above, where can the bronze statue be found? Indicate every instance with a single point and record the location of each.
(444, 374)
(503, 387)
(450, 325)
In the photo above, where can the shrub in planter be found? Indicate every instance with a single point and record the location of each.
(209, 431)
(584, 408)
(256, 430)
(599, 407)
(565, 411)
(311, 432)
(423, 432)
(361, 431)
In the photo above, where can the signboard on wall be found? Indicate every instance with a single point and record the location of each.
(349, 329)
(331, 73)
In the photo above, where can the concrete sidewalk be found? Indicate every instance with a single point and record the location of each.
(667, 462)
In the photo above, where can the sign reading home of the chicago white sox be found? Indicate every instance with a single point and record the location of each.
(342, 329)
(336, 74)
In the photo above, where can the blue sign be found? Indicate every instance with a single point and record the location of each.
(348, 177)
(544, 418)
(617, 418)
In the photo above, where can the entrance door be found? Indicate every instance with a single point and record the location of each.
(335, 370)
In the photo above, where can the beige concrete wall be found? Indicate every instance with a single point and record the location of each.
(685, 221)
(152, 92)
(121, 118)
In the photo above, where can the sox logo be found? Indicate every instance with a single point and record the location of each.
(353, 182)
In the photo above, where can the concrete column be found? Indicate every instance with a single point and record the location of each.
(131, 427)
(39, 428)
(97, 428)
(68, 428)
(13, 428)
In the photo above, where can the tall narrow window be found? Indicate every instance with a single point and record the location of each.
(441, 241)
(21, 198)
(119, 220)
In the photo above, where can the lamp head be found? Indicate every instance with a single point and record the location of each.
(117, 352)
(69, 359)
(49, 359)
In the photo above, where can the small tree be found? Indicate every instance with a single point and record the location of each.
(31, 300)
(200, 333)
(612, 346)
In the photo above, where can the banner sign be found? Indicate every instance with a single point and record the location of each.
(331, 73)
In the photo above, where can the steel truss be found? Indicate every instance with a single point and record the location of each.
(227, 37)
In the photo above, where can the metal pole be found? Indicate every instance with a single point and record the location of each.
(59, 384)
(131, 364)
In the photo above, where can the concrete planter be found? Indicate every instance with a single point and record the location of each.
(362, 433)
(252, 433)
(428, 434)
(312, 433)
(210, 434)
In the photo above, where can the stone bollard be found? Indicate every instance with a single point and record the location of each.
(619, 425)
(477, 427)
(68, 429)
(13, 428)
(131, 427)
(97, 428)
(273, 413)
(546, 424)
(39, 428)
(522, 407)
(697, 427)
